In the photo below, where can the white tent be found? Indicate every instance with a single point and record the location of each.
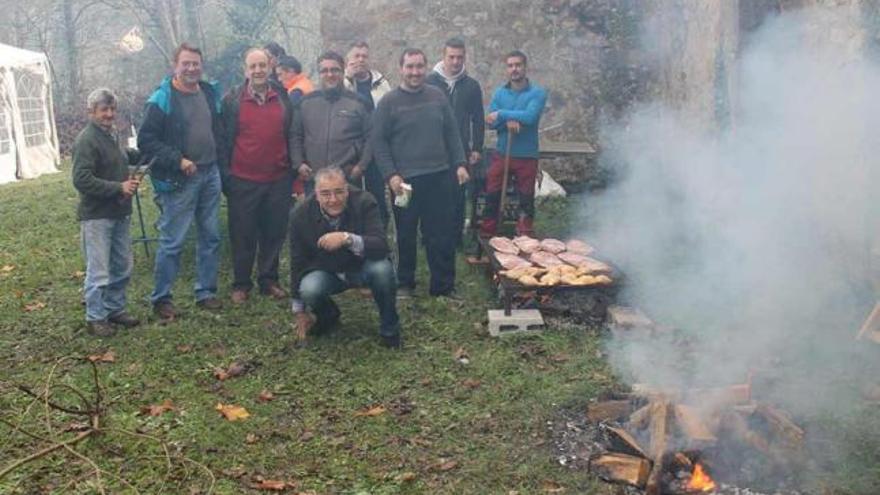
(28, 140)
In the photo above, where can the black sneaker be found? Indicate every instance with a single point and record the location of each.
(210, 304)
(326, 324)
(391, 342)
(124, 319)
(101, 328)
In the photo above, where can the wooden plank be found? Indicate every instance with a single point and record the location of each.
(871, 327)
(622, 441)
(609, 410)
(622, 468)
(783, 428)
(693, 427)
(659, 439)
(640, 418)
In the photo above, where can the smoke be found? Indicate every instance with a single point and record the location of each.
(755, 239)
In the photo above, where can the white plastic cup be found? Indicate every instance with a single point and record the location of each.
(402, 200)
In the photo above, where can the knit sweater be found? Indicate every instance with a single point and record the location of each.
(99, 168)
(414, 133)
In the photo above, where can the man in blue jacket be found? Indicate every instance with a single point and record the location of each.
(181, 130)
(514, 113)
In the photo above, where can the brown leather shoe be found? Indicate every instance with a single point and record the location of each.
(124, 319)
(210, 304)
(165, 310)
(239, 296)
(274, 291)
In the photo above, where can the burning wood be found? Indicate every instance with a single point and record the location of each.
(622, 468)
(659, 421)
(693, 427)
(700, 481)
(622, 441)
(608, 410)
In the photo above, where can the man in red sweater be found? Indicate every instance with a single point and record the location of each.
(257, 175)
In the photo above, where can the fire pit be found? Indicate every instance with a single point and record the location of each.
(701, 440)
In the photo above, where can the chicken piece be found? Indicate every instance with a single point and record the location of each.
(526, 244)
(529, 280)
(554, 246)
(550, 278)
(578, 246)
(545, 259)
(510, 261)
(503, 245)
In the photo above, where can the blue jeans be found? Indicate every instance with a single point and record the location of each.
(198, 198)
(106, 245)
(316, 288)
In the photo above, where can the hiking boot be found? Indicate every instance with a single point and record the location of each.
(239, 296)
(274, 291)
(165, 310)
(101, 328)
(391, 341)
(210, 304)
(324, 324)
(124, 319)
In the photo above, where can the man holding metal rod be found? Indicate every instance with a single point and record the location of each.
(100, 175)
(515, 112)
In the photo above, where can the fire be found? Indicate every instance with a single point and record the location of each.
(700, 480)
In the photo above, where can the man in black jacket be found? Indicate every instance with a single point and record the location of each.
(257, 175)
(332, 127)
(181, 130)
(466, 98)
(337, 241)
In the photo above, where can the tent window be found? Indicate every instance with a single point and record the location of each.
(4, 134)
(31, 105)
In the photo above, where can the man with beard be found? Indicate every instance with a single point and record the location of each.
(466, 98)
(515, 112)
(257, 175)
(181, 130)
(332, 127)
(417, 145)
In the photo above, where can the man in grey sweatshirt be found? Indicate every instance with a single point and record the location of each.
(416, 142)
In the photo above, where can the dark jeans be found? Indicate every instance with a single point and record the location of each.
(258, 214)
(375, 185)
(430, 209)
(316, 288)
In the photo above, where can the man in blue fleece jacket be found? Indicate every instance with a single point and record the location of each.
(514, 113)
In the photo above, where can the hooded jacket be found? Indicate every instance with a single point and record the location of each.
(380, 86)
(466, 98)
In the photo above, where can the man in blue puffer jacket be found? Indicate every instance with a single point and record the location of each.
(182, 131)
(514, 113)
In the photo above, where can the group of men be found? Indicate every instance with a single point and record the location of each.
(343, 143)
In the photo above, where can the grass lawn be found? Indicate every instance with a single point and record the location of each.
(444, 426)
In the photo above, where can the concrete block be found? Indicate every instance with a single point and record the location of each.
(519, 321)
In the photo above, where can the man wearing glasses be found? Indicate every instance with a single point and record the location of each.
(332, 127)
(337, 241)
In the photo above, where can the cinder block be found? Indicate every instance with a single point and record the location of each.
(519, 321)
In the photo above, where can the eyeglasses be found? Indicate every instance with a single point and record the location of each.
(330, 70)
(329, 193)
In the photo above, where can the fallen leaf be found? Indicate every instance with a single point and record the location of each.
(266, 396)
(559, 358)
(404, 477)
(251, 439)
(471, 383)
(461, 356)
(78, 274)
(108, 357)
(232, 412)
(447, 466)
(184, 348)
(550, 486)
(306, 436)
(234, 369)
(158, 409)
(7, 268)
(372, 411)
(76, 426)
(272, 485)
(34, 306)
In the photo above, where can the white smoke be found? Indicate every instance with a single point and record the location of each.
(757, 238)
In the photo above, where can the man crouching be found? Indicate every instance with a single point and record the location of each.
(100, 174)
(337, 241)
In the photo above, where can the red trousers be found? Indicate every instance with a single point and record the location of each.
(523, 171)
